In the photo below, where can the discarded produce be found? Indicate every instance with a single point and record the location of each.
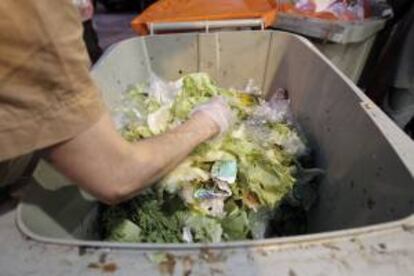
(233, 187)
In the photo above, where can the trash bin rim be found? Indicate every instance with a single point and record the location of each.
(317, 238)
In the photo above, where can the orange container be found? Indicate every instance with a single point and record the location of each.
(165, 11)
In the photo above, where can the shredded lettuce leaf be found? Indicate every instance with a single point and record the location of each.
(204, 229)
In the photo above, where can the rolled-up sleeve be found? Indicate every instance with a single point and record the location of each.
(46, 92)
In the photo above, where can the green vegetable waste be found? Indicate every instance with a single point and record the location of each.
(230, 188)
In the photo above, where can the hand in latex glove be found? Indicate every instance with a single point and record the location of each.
(218, 111)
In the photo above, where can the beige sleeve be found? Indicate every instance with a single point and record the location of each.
(46, 93)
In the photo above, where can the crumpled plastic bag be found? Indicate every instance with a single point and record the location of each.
(164, 91)
(277, 109)
(338, 9)
(85, 8)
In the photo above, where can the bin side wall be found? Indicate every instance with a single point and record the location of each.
(122, 66)
(365, 180)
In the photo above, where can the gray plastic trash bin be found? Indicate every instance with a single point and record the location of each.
(346, 44)
(369, 162)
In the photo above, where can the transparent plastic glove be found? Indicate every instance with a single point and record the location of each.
(218, 111)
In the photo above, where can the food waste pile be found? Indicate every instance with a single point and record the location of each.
(254, 182)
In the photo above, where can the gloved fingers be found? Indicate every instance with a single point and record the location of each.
(217, 110)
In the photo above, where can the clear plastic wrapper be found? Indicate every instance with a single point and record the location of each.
(163, 91)
(276, 110)
(347, 11)
(305, 5)
(259, 223)
(343, 10)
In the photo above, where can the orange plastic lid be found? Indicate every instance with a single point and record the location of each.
(200, 10)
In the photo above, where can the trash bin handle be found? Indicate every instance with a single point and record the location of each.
(207, 25)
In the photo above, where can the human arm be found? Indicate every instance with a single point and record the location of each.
(49, 100)
(101, 162)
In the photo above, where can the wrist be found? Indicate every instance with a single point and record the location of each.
(206, 126)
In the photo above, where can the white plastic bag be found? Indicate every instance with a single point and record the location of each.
(85, 8)
(277, 109)
(164, 91)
